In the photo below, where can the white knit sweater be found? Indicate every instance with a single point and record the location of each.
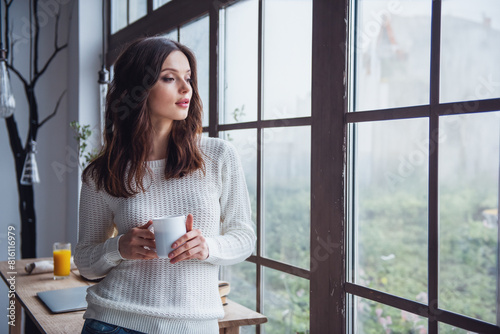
(155, 296)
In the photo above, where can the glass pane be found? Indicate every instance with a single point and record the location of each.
(239, 67)
(392, 53)
(373, 317)
(172, 34)
(470, 49)
(118, 15)
(245, 142)
(447, 329)
(287, 53)
(391, 173)
(242, 280)
(159, 3)
(285, 303)
(248, 329)
(468, 214)
(286, 194)
(195, 36)
(138, 9)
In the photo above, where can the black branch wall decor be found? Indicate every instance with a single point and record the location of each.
(36, 70)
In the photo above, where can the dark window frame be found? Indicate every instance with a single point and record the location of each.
(330, 292)
(432, 112)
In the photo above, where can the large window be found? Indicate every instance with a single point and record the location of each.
(369, 133)
(264, 110)
(125, 12)
(424, 166)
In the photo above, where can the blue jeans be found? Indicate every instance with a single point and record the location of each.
(92, 326)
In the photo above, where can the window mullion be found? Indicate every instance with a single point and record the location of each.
(128, 12)
(260, 234)
(433, 209)
(149, 6)
(328, 131)
(213, 110)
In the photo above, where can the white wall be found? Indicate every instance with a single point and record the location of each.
(74, 70)
(84, 65)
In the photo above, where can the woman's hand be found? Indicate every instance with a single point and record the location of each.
(132, 243)
(193, 244)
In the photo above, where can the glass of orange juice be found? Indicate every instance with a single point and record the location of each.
(62, 259)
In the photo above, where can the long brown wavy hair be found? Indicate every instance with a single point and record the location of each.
(121, 166)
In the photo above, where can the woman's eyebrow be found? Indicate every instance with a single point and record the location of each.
(174, 70)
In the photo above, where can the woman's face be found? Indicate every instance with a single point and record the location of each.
(170, 97)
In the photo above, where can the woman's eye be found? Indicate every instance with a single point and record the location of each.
(167, 79)
(189, 80)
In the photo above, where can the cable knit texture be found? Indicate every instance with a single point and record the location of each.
(155, 296)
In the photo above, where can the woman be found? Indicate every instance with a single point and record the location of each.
(156, 163)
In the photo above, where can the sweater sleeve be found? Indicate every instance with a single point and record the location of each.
(96, 252)
(237, 239)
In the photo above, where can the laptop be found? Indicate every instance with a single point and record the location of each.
(65, 300)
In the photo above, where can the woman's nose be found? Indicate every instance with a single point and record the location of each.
(185, 87)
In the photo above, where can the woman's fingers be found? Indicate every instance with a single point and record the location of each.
(139, 252)
(145, 226)
(132, 244)
(190, 234)
(189, 223)
(193, 253)
(193, 246)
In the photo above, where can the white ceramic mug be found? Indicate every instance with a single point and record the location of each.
(167, 230)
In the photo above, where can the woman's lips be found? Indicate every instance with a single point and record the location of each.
(183, 103)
